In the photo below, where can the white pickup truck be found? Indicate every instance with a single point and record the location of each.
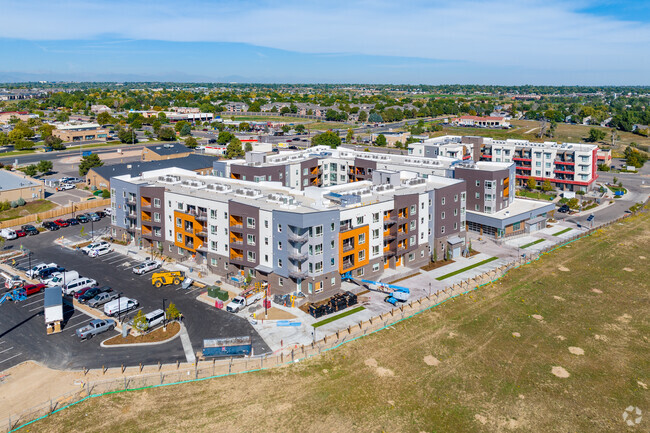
(238, 303)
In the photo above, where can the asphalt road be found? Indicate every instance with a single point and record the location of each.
(22, 329)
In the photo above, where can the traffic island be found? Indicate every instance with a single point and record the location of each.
(157, 336)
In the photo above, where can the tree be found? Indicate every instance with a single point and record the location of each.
(140, 322)
(23, 144)
(603, 167)
(44, 166)
(234, 149)
(105, 118)
(381, 140)
(546, 186)
(186, 130)
(299, 128)
(363, 116)
(106, 193)
(31, 170)
(248, 147)
(166, 134)
(54, 142)
(285, 110)
(349, 138)
(375, 118)
(328, 138)
(531, 183)
(596, 135)
(180, 125)
(46, 130)
(62, 117)
(127, 135)
(286, 129)
(88, 162)
(172, 312)
(191, 142)
(224, 137)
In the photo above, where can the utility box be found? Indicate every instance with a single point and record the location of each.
(53, 309)
(234, 346)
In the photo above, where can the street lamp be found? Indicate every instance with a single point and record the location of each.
(164, 315)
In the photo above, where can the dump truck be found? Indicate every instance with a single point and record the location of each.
(160, 279)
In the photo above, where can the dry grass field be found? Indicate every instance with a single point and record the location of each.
(559, 345)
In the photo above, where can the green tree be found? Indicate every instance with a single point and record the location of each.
(234, 149)
(140, 322)
(127, 135)
(363, 116)
(31, 170)
(106, 193)
(381, 140)
(172, 312)
(46, 130)
(603, 167)
(186, 130)
(62, 117)
(248, 147)
(328, 138)
(596, 135)
(54, 142)
(546, 186)
(349, 138)
(286, 129)
(300, 128)
(375, 118)
(531, 183)
(105, 118)
(224, 137)
(44, 166)
(23, 144)
(166, 134)
(191, 142)
(88, 162)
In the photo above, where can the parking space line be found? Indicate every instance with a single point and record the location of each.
(5, 360)
(78, 323)
(36, 308)
(2, 342)
(193, 290)
(6, 350)
(25, 305)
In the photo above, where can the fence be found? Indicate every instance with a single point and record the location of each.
(203, 370)
(54, 213)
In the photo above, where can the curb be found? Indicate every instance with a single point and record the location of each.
(155, 343)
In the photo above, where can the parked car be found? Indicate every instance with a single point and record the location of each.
(89, 294)
(564, 208)
(20, 233)
(14, 282)
(108, 211)
(88, 248)
(50, 226)
(34, 271)
(44, 274)
(100, 250)
(61, 278)
(82, 218)
(100, 214)
(145, 267)
(65, 187)
(81, 292)
(30, 229)
(92, 216)
(102, 298)
(119, 306)
(32, 289)
(78, 284)
(95, 327)
(72, 221)
(8, 234)
(61, 223)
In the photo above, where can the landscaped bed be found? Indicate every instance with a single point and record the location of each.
(338, 316)
(530, 244)
(155, 336)
(467, 268)
(562, 231)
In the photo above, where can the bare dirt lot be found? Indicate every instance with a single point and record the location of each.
(455, 368)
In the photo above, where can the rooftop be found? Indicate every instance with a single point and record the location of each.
(190, 162)
(9, 181)
(170, 149)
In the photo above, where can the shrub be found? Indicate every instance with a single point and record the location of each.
(172, 312)
(21, 201)
(106, 194)
(14, 204)
(5, 205)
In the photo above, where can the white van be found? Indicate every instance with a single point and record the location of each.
(120, 305)
(78, 284)
(34, 271)
(92, 246)
(61, 278)
(8, 234)
(152, 319)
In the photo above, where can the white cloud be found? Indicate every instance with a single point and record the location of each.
(528, 33)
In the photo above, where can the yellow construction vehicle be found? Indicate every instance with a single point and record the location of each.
(159, 279)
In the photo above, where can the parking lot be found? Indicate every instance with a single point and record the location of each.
(22, 331)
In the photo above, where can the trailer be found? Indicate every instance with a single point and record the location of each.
(226, 347)
(53, 309)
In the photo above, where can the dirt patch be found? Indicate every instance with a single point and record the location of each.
(325, 370)
(480, 418)
(516, 334)
(561, 337)
(383, 372)
(371, 362)
(601, 337)
(597, 291)
(435, 265)
(538, 317)
(576, 350)
(642, 257)
(152, 337)
(563, 269)
(641, 384)
(431, 360)
(391, 402)
(625, 318)
(274, 314)
(628, 269)
(560, 372)
(558, 298)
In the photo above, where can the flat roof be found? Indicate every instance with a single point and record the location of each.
(169, 149)
(190, 162)
(10, 181)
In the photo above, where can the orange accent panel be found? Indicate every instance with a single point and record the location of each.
(354, 233)
(197, 226)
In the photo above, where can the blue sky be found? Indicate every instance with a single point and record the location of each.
(380, 41)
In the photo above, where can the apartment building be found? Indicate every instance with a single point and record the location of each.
(481, 121)
(301, 239)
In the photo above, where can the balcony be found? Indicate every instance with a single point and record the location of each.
(401, 246)
(389, 253)
(563, 171)
(389, 221)
(348, 247)
(348, 264)
(131, 200)
(389, 238)
(294, 237)
(132, 216)
(402, 216)
(297, 274)
(297, 256)
(146, 218)
(202, 248)
(201, 232)
(523, 167)
(145, 204)
(189, 245)
(345, 227)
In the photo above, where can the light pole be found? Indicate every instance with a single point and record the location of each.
(164, 315)
(429, 289)
(92, 229)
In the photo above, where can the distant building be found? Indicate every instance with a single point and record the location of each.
(80, 132)
(392, 137)
(100, 109)
(165, 151)
(604, 156)
(481, 121)
(6, 116)
(14, 186)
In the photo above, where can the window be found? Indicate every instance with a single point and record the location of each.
(430, 202)
(360, 272)
(179, 223)
(180, 251)
(225, 215)
(362, 255)
(250, 256)
(266, 224)
(266, 258)
(318, 249)
(318, 231)
(266, 241)
(414, 209)
(442, 229)
(375, 217)
(478, 183)
(318, 267)
(375, 267)
(359, 220)
(179, 237)
(332, 261)
(213, 214)
(213, 246)
(412, 241)
(362, 238)
(156, 202)
(279, 263)
(280, 228)
(442, 215)
(456, 212)
(478, 195)
(156, 217)
(280, 281)
(538, 164)
(279, 245)
(455, 198)
(305, 171)
(156, 232)
(442, 201)
(213, 261)
(375, 234)
(455, 226)
(411, 257)
(305, 182)
(213, 230)
(250, 223)
(179, 206)
(547, 165)
(332, 227)
(250, 239)
(412, 225)
(375, 250)
(332, 244)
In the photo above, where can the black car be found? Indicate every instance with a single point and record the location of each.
(30, 229)
(47, 272)
(564, 208)
(101, 214)
(91, 293)
(82, 218)
(50, 226)
(72, 222)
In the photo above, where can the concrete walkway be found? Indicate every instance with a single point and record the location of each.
(187, 345)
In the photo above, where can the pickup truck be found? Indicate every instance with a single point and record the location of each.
(102, 298)
(33, 272)
(95, 327)
(238, 303)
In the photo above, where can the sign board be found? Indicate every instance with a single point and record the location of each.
(590, 218)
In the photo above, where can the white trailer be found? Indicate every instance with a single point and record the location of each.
(53, 308)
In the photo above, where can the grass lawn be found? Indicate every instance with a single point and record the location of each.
(561, 232)
(16, 153)
(460, 271)
(29, 208)
(536, 195)
(481, 363)
(530, 244)
(338, 316)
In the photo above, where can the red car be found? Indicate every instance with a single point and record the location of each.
(81, 292)
(21, 233)
(33, 288)
(61, 223)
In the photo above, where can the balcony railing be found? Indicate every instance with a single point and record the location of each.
(203, 248)
(293, 237)
(347, 264)
(131, 200)
(201, 232)
(297, 256)
(236, 241)
(389, 238)
(348, 247)
(297, 274)
(345, 227)
(199, 216)
(389, 221)
(132, 216)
